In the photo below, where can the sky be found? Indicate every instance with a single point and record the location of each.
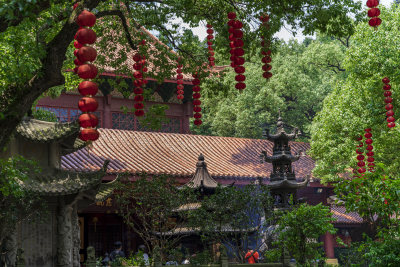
(283, 34)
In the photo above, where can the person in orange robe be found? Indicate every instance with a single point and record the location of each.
(251, 256)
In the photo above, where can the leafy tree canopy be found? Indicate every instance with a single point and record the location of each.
(303, 74)
(358, 102)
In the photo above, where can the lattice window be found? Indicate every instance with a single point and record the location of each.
(123, 121)
(68, 114)
(173, 126)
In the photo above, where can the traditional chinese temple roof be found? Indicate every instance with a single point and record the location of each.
(175, 154)
(61, 182)
(43, 131)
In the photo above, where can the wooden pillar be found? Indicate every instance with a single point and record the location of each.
(329, 249)
(187, 114)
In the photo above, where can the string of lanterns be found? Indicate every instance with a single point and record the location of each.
(179, 80)
(140, 69)
(210, 37)
(236, 44)
(369, 148)
(266, 59)
(388, 100)
(360, 156)
(374, 13)
(196, 99)
(85, 55)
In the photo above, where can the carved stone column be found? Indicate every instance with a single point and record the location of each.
(76, 240)
(64, 234)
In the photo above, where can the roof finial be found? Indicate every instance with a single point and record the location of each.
(201, 157)
(279, 124)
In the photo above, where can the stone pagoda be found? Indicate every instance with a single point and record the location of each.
(283, 184)
(55, 239)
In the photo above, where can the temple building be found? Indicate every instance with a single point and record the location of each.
(56, 239)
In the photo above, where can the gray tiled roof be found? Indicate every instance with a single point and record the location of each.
(43, 131)
(61, 182)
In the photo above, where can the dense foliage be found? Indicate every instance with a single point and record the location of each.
(303, 74)
(358, 102)
(300, 229)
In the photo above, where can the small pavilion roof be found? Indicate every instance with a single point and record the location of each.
(201, 178)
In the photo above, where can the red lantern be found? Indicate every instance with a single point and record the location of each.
(89, 134)
(266, 67)
(374, 22)
(197, 116)
(77, 62)
(196, 102)
(197, 122)
(196, 95)
(391, 124)
(239, 69)
(240, 78)
(368, 141)
(387, 87)
(389, 113)
(88, 104)
(86, 36)
(368, 135)
(231, 15)
(374, 12)
(86, 18)
(388, 100)
(386, 80)
(389, 107)
(197, 109)
(139, 112)
(360, 157)
(390, 119)
(195, 81)
(370, 147)
(370, 154)
(86, 53)
(240, 86)
(387, 93)
(138, 90)
(361, 170)
(87, 88)
(372, 3)
(196, 88)
(88, 120)
(361, 164)
(239, 60)
(267, 75)
(87, 71)
(138, 98)
(138, 105)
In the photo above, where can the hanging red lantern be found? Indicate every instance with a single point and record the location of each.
(89, 134)
(88, 104)
(86, 18)
(231, 15)
(372, 3)
(88, 88)
(388, 100)
(196, 102)
(87, 71)
(86, 36)
(88, 120)
(86, 53)
(374, 12)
